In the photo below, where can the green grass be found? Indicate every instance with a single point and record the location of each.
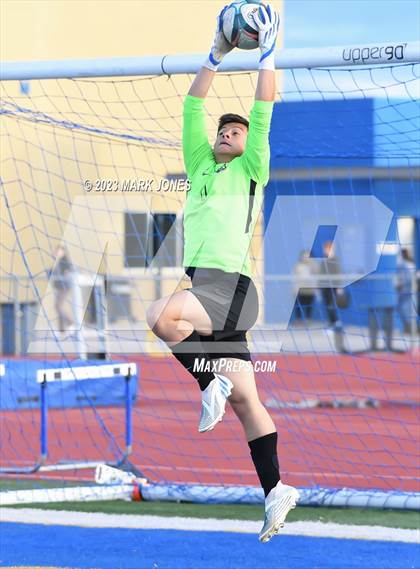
(355, 516)
(28, 484)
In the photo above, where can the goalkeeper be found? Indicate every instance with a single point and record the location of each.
(207, 323)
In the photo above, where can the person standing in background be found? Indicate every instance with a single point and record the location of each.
(405, 289)
(304, 280)
(330, 267)
(62, 282)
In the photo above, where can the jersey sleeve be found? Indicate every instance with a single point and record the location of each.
(256, 157)
(195, 142)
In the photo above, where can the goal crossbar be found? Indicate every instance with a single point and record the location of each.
(336, 56)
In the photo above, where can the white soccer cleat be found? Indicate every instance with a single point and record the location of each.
(278, 504)
(213, 402)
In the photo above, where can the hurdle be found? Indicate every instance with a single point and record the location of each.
(78, 373)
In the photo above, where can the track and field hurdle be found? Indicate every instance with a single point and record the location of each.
(45, 377)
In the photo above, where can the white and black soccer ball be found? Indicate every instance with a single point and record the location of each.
(239, 27)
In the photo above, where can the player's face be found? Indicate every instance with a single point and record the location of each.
(230, 141)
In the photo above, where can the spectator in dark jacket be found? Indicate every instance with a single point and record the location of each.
(330, 267)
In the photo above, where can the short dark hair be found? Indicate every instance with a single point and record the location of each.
(231, 117)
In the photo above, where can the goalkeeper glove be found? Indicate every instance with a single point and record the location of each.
(267, 20)
(220, 45)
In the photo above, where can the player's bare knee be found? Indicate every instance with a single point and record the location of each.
(242, 404)
(157, 319)
(152, 315)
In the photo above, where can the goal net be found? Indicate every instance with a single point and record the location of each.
(92, 192)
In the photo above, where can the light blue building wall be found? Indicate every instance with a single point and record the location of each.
(344, 149)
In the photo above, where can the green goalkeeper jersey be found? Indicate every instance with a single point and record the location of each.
(224, 199)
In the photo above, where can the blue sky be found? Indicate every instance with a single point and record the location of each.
(318, 23)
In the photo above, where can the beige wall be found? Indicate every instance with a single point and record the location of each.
(67, 29)
(44, 164)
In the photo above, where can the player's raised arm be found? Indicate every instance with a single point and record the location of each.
(194, 139)
(256, 157)
(268, 21)
(203, 80)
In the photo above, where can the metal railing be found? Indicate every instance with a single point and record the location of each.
(99, 303)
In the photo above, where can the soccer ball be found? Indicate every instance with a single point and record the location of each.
(238, 24)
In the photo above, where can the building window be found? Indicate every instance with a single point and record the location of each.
(152, 238)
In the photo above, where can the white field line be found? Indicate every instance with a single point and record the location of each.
(128, 521)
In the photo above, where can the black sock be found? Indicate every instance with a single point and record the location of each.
(264, 457)
(183, 354)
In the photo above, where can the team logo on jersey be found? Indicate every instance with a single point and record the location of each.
(223, 167)
(209, 171)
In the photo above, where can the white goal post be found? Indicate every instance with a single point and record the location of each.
(338, 56)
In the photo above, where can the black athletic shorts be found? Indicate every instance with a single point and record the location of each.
(231, 301)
